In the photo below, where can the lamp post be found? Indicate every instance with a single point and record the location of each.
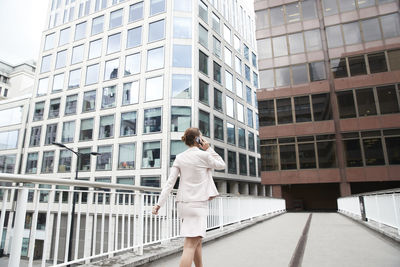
(78, 157)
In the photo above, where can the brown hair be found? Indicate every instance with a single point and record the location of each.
(190, 135)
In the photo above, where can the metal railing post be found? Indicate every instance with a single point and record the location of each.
(221, 214)
(141, 223)
(16, 244)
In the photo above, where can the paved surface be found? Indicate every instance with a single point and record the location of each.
(333, 240)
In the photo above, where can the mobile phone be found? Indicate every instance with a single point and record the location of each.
(198, 140)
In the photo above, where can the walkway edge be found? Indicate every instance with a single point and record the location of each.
(389, 236)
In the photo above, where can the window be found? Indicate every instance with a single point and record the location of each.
(228, 56)
(185, 6)
(48, 162)
(84, 162)
(204, 123)
(326, 154)
(64, 36)
(242, 164)
(232, 162)
(31, 163)
(357, 65)
(106, 127)
(216, 25)
(89, 101)
(134, 37)
(157, 6)
(346, 104)
(38, 112)
(236, 43)
(217, 99)
(181, 86)
(128, 124)
(218, 128)
(217, 72)
(264, 48)
(104, 161)
(351, 33)
(365, 3)
(247, 73)
(371, 30)
(227, 34)
(242, 137)
(152, 120)
(270, 159)
(95, 49)
(126, 159)
(390, 25)
(150, 181)
(284, 110)
(250, 117)
(49, 42)
(136, 12)
(373, 151)
(130, 93)
(299, 74)
(74, 78)
(365, 102)
(352, 150)
(387, 101)
(111, 69)
(313, 40)
(203, 62)
(54, 108)
(203, 36)
(114, 43)
(394, 59)
(307, 155)
(203, 92)
(334, 36)
(182, 28)
(80, 31)
(339, 68)
(221, 153)
(182, 56)
(132, 64)
(155, 58)
(377, 62)
(229, 81)
(238, 65)
(51, 134)
(115, 18)
(177, 146)
(317, 71)
(309, 9)
(45, 66)
(58, 82)
(321, 107)
(230, 131)
(282, 76)
(240, 112)
(254, 60)
(97, 25)
(246, 52)
(302, 108)
(181, 118)
(216, 47)
(296, 43)
(64, 162)
(393, 148)
(154, 88)
(86, 132)
(92, 74)
(108, 98)
(203, 11)
(43, 86)
(70, 104)
(288, 156)
(251, 141)
(68, 132)
(330, 7)
(9, 139)
(35, 136)
(262, 19)
(151, 155)
(229, 107)
(249, 95)
(156, 31)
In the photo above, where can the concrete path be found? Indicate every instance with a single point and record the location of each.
(333, 240)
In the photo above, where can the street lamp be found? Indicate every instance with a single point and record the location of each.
(78, 158)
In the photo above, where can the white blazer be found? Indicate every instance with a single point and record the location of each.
(195, 169)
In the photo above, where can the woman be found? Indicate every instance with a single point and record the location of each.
(196, 188)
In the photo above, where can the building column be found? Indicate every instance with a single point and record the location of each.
(345, 189)
(254, 189)
(234, 186)
(244, 188)
(277, 191)
(222, 187)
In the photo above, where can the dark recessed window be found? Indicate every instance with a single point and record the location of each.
(270, 158)
(203, 63)
(307, 156)
(377, 62)
(232, 162)
(203, 92)
(387, 98)
(373, 151)
(365, 102)
(352, 150)
(217, 72)
(394, 59)
(218, 128)
(266, 112)
(242, 164)
(288, 157)
(347, 108)
(339, 68)
(302, 108)
(317, 71)
(217, 99)
(284, 110)
(321, 107)
(357, 65)
(393, 149)
(326, 154)
(204, 123)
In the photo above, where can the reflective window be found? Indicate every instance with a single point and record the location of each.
(150, 181)
(203, 11)
(347, 5)
(154, 88)
(248, 95)
(217, 99)
(180, 118)
(313, 40)
(329, 7)
(334, 36)
(64, 162)
(317, 71)
(74, 78)
(203, 62)
(58, 82)
(299, 74)
(182, 56)
(49, 42)
(92, 74)
(296, 43)
(357, 65)
(309, 9)
(106, 129)
(230, 132)
(239, 88)
(84, 162)
(264, 48)
(132, 64)
(114, 43)
(45, 65)
(221, 153)
(351, 33)
(228, 56)
(232, 162)
(240, 112)
(77, 54)
(391, 25)
(70, 104)
(371, 30)
(156, 31)
(11, 116)
(394, 59)
(89, 101)
(387, 101)
(34, 138)
(236, 43)
(130, 94)
(51, 134)
(155, 58)
(182, 28)
(185, 6)
(280, 46)
(238, 65)
(292, 12)
(64, 36)
(377, 62)
(38, 112)
(134, 37)
(157, 6)
(31, 163)
(229, 81)
(80, 31)
(216, 25)
(9, 139)
(277, 16)
(242, 137)
(111, 69)
(136, 12)
(250, 117)
(104, 161)
(97, 25)
(365, 102)
(68, 132)
(247, 73)
(267, 80)
(204, 123)
(181, 86)
(365, 3)
(126, 158)
(229, 107)
(216, 47)
(95, 48)
(251, 141)
(284, 110)
(242, 164)
(61, 59)
(217, 72)
(115, 18)
(203, 36)
(262, 20)
(151, 157)
(108, 97)
(152, 120)
(321, 104)
(86, 132)
(346, 104)
(254, 59)
(218, 128)
(246, 52)
(54, 108)
(177, 146)
(203, 92)
(282, 76)
(339, 68)
(227, 34)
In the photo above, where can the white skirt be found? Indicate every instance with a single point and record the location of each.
(194, 218)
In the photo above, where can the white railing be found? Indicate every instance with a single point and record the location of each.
(108, 219)
(380, 207)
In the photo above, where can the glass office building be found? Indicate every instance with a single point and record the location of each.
(328, 98)
(126, 78)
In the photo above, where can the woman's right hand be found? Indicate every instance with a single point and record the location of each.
(204, 144)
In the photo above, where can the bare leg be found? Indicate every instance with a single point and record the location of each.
(189, 247)
(198, 261)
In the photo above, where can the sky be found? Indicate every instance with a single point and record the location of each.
(21, 26)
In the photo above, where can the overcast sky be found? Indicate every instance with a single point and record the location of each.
(21, 26)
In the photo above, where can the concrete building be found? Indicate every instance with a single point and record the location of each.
(126, 78)
(16, 80)
(328, 98)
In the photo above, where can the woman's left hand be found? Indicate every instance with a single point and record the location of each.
(155, 209)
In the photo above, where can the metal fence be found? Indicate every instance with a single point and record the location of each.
(107, 219)
(380, 207)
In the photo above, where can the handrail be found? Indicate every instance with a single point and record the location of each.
(379, 192)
